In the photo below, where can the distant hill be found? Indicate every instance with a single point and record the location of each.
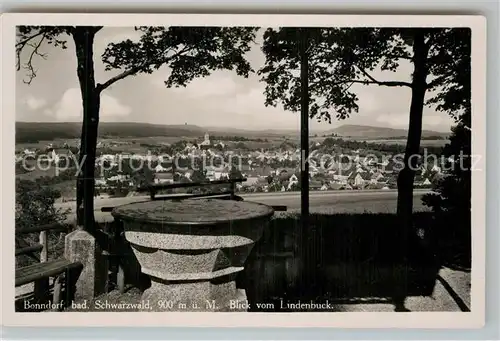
(48, 131)
(37, 131)
(371, 132)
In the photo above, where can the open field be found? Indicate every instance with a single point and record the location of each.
(423, 143)
(167, 140)
(32, 132)
(37, 173)
(135, 137)
(371, 132)
(327, 202)
(139, 144)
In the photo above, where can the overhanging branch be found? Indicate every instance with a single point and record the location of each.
(349, 82)
(385, 83)
(47, 33)
(396, 56)
(22, 43)
(100, 87)
(109, 82)
(372, 80)
(34, 52)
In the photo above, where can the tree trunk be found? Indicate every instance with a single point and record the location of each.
(84, 41)
(304, 127)
(407, 174)
(308, 245)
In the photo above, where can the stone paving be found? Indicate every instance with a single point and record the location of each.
(441, 299)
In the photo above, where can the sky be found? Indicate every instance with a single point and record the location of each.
(222, 99)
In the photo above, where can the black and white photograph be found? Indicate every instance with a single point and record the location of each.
(247, 166)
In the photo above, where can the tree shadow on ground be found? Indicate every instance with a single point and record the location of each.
(342, 258)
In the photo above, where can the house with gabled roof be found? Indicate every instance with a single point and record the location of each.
(358, 179)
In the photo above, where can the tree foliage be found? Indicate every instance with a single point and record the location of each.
(35, 207)
(341, 57)
(35, 204)
(189, 52)
(451, 198)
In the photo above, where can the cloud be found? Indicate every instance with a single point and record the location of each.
(215, 85)
(394, 120)
(69, 107)
(433, 120)
(369, 101)
(247, 108)
(34, 103)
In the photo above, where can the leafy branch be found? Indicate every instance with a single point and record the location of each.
(33, 38)
(35, 51)
(372, 80)
(199, 51)
(135, 70)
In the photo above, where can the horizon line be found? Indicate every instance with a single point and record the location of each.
(244, 129)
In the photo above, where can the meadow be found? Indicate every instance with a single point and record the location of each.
(423, 143)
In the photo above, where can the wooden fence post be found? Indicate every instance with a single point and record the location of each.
(233, 190)
(42, 286)
(57, 292)
(44, 252)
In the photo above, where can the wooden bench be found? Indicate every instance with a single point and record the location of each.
(41, 272)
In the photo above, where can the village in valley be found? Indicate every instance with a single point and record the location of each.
(334, 164)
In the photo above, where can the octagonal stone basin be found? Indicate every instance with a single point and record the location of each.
(193, 249)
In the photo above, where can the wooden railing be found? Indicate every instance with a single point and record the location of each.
(230, 194)
(153, 189)
(43, 269)
(42, 246)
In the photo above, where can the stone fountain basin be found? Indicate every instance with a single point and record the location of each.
(193, 239)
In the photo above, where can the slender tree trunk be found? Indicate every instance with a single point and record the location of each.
(84, 41)
(304, 126)
(407, 174)
(307, 246)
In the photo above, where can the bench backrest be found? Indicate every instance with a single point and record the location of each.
(153, 189)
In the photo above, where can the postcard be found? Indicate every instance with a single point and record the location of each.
(243, 170)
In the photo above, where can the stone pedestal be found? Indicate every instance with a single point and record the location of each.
(82, 246)
(193, 250)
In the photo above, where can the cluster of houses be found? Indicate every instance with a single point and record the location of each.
(360, 178)
(264, 170)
